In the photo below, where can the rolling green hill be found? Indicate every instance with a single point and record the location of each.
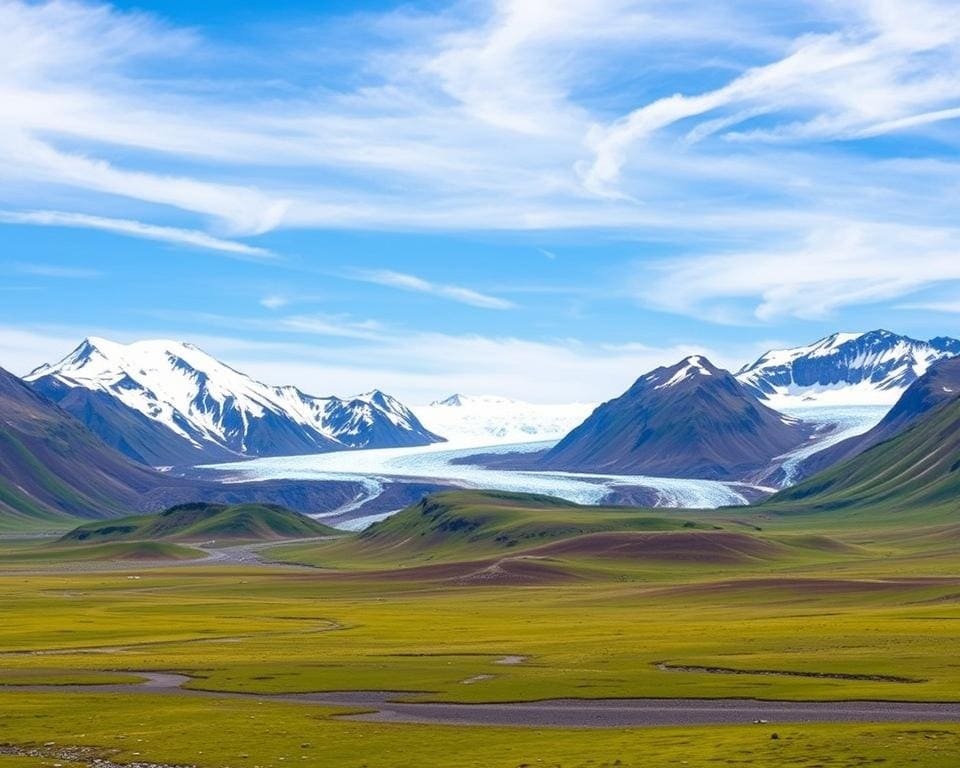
(469, 525)
(916, 472)
(204, 522)
(482, 522)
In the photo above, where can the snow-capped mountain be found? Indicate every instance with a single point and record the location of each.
(691, 419)
(168, 403)
(938, 386)
(871, 368)
(485, 419)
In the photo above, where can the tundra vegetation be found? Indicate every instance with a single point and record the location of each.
(485, 597)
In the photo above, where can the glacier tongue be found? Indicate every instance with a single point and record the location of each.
(842, 421)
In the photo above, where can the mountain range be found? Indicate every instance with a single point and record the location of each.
(691, 419)
(845, 369)
(120, 406)
(166, 403)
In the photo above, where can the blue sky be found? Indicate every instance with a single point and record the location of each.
(521, 197)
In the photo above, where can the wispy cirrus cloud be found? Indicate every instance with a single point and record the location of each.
(407, 282)
(944, 307)
(882, 73)
(708, 126)
(833, 268)
(488, 101)
(274, 301)
(55, 270)
(176, 235)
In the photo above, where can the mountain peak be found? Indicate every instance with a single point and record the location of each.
(376, 396)
(691, 419)
(688, 368)
(455, 400)
(693, 368)
(91, 345)
(459, 400)
(186, 405)
(842, 337)
(701, 364)
(874, 367)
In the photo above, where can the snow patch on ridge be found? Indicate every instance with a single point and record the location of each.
(693, 367)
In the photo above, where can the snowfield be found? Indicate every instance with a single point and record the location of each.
(487, 419)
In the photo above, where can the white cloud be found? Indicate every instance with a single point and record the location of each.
(882, 74)
(466, 119)
(408, 282)
(945, 307)
(331, 325)
(54, 270)
(833, 268)
(274, 301)
(500, 114)
(244, 210)
(137, 229)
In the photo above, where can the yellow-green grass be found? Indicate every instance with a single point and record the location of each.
(27, 554)
(15, 761)
(854, 604)
(226, 732)
(469, 529)
(65, 677)
(255, 631)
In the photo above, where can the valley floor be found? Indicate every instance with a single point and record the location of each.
(818, 617)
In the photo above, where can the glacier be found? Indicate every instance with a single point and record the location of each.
(837, 423)
(376, 467)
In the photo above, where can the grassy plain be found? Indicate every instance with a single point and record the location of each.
(242, 733)
(804, 608)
